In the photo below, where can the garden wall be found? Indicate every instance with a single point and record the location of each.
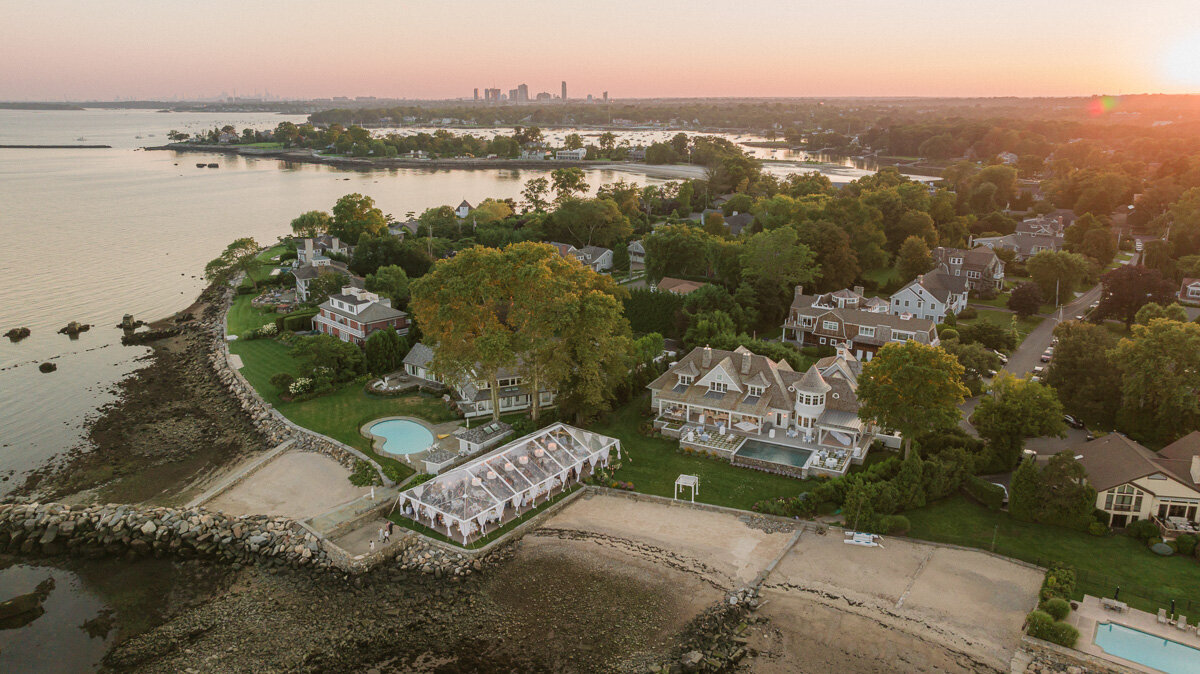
(275, 427)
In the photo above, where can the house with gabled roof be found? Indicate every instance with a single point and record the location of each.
(305, 274)
(931, 295)
(763, 414)
(846, 319)
(677, 286)
(1189, 291)
(1133, 482)
(979, 266)
(472, 393)
(464, 209)
(637, 255)
(355, 314)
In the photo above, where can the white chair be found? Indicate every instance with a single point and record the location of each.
(1162, 616)
(1182, 623)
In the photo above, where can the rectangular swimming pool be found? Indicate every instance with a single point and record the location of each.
(788, 456)
(1137, 646)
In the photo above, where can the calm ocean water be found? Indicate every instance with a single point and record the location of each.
(90, 235)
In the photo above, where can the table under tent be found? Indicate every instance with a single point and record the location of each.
(490, 490)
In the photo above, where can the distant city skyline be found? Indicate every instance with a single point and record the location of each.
(423, 50)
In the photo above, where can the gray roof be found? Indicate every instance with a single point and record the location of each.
(593, 253)
(812, 382)
(736, 223)
(637, 247)
(419, 355)
(310, 271)
(374, 312)
(940, 284)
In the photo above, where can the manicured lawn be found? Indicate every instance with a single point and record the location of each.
(1105, 562)
(262, 146)
(243, 317)
(653, 464)
(1004, 320)
(881, 275)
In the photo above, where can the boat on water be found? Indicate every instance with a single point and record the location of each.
(201, 165)
(214, 165)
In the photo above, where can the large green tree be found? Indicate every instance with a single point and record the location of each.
(239, 256)
(1083, 373)
(355, 215)
(384, 351)
(391, 282)
(774, 263)
(568, 182)
(1057, 271)
(1160, 366)
(912, 388)
(1016, 409)
(587, 222)
(311, 223)
(914, 258)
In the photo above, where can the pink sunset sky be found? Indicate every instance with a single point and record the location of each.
(55, 50)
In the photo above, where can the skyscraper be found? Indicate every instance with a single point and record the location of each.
(564, 93)
(606, 97)
(477, 93)
(523, 92)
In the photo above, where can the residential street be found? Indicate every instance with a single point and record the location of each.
(1027, 356)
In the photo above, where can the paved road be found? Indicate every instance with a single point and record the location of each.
(1028, 354)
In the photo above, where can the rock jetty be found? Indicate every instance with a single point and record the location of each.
(131, 531)
(17, 334)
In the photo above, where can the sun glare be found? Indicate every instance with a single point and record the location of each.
(1182, 62)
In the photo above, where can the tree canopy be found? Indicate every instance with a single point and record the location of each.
(912, 388)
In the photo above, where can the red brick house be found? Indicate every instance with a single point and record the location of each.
(353, 314)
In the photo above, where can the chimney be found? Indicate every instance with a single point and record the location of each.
(1196, 469)
(706, 359)
(335, 245)
(308, 250)
(799, 291)
(859, 290)
(746, 363)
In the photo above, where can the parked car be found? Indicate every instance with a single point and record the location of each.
(1004, 501)
(1072, 421)
(1047, 355)
(1003, 358)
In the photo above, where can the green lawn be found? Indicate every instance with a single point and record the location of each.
(1004, 320)
(881, 275)
(243, 317)
(1104, 562)
(262, 146)
(653, 464)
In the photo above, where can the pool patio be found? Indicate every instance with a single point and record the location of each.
(1091, 613)
(448, 443)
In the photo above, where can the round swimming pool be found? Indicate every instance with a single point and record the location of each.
(401, 436)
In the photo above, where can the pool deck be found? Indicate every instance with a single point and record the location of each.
(1091, 613)
(415, 459)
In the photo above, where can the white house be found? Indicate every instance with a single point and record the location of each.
(763, 414)
(1135, 483)
(931, 295)
(324, 245)
(637, 255)
(571, 155)
(464, 209)
(599, 259)
(306, 273)
(533, 155)
(1189, 290)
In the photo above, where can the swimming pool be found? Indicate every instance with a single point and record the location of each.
(788, 456)
(401, 436)
(1137, 646)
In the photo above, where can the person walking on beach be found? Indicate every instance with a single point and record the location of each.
(371, 547)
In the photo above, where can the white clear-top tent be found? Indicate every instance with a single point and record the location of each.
(481, 494)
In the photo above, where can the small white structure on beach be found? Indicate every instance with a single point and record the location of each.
(482, 494)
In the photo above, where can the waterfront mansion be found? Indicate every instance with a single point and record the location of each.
(848, 319)
(472, 394)
(765, 415)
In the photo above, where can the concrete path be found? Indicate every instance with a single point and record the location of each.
(240, 473)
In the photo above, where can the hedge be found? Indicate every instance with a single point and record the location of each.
(990, 495)
(1043, 626)
(1059, 582)
(300, 321)
(1057, 607)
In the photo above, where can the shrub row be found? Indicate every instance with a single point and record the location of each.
(1041, 625)
(990, 495)
(300, 321)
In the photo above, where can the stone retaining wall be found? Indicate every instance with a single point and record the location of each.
(1048, 658)
(132, 531)
(275, 427)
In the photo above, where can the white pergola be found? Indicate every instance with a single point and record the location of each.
(477, 495)
(684, 481)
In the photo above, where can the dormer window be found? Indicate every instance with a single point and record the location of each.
(754, 391)
(685, 379)
(956, 260)
(864, 331)
(829, 325)
(718, 387)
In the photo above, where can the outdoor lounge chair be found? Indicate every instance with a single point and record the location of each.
(1162, 616)
(1182, 623)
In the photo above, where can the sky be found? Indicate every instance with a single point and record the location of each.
(104, 49)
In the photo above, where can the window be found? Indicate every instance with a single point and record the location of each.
(829, 325)
(898, 336)
(822, 340)
(956, 260)
(754, 391)
(972, 274)
(807, 321)
(718, 387)
(1123, 499)
(864, 331)
(685, 379)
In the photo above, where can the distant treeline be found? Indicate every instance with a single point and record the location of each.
(13, 105)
